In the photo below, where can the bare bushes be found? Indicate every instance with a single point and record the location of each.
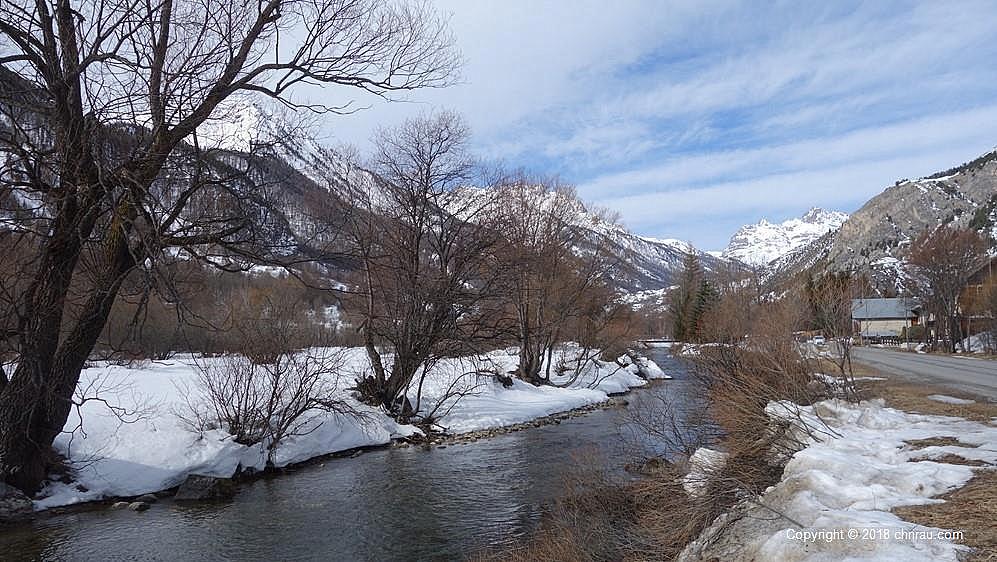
(600, 519)
(265, 403)
(830, 299)
(753, 368)
(271, 391)
(206, 312)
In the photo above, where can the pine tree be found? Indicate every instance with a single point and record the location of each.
(682, 298)
(706, 298)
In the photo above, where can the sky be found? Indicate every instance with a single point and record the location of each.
(692, 118)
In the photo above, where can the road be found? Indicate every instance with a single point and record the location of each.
(975, 376)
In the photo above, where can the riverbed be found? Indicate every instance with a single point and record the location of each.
(387, 504)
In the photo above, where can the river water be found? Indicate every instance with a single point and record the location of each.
(387, 504)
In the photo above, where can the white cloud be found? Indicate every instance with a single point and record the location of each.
(718, 109)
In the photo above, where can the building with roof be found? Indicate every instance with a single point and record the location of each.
(885, 318)
(976, 307)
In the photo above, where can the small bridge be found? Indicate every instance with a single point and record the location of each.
(654, 340)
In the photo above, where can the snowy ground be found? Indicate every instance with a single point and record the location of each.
(150, 448)
(950, 399)
(841, 488)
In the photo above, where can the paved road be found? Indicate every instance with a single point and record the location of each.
(975, 376)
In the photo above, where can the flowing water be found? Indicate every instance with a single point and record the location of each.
(386, 504)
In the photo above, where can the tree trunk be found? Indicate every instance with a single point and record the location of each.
(36, 402)
(530, 362)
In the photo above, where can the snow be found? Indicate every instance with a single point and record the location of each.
(235, 124)
(764, 242)
(150, 448)
(852, 474)
(647, 298)
(983, 342)
(653, 261)
(704, 464)
(950, 399)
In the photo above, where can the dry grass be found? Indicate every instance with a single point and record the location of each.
(950, 458)
(972, 509)
(650, 519)
(914, 398)
(936, 442)
(911, 397)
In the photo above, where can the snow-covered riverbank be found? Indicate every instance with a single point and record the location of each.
(152, 449)
(835, 497)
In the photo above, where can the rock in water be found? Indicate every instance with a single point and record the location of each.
(14, 505)
(198, 488)
(147, 498)
(138, 506)
(119, 505)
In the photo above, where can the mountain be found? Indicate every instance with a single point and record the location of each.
(647, 266)
(876, 238)
(761, 243)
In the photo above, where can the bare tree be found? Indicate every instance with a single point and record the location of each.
(553, 272)
(942, 261)
(101, 172)
(830, 299)
(424, 242)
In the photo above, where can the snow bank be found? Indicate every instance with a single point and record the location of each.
(649, 369)
(980, 343)
(703, 465)
(151, 449)
(950, 399)
(842, 487)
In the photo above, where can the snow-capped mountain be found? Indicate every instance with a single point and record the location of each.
(648, 265)
(760, 244)
(877, 237)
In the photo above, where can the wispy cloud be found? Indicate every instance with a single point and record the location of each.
(692, 118)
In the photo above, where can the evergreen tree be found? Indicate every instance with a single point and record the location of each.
(705, 299)
(682, 298)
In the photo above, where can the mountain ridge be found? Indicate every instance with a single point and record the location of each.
(762, 243)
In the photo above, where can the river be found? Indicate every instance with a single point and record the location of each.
(386, 504)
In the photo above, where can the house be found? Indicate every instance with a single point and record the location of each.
(885, 318)
(975, 306)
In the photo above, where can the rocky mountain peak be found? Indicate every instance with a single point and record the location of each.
(763, 242)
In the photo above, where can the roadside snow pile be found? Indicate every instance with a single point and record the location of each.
(842, 487)
(950, 399)
(143, 446)
(840, 381)
(981, 343)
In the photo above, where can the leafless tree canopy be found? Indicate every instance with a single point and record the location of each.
(942, 261)
(554, 274)
(425, 243)
(830, 299)
(101, 171)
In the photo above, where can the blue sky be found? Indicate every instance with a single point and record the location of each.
(693, 118)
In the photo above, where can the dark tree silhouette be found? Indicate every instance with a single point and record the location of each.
(101, 171)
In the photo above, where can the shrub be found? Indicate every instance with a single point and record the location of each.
(265, 402)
